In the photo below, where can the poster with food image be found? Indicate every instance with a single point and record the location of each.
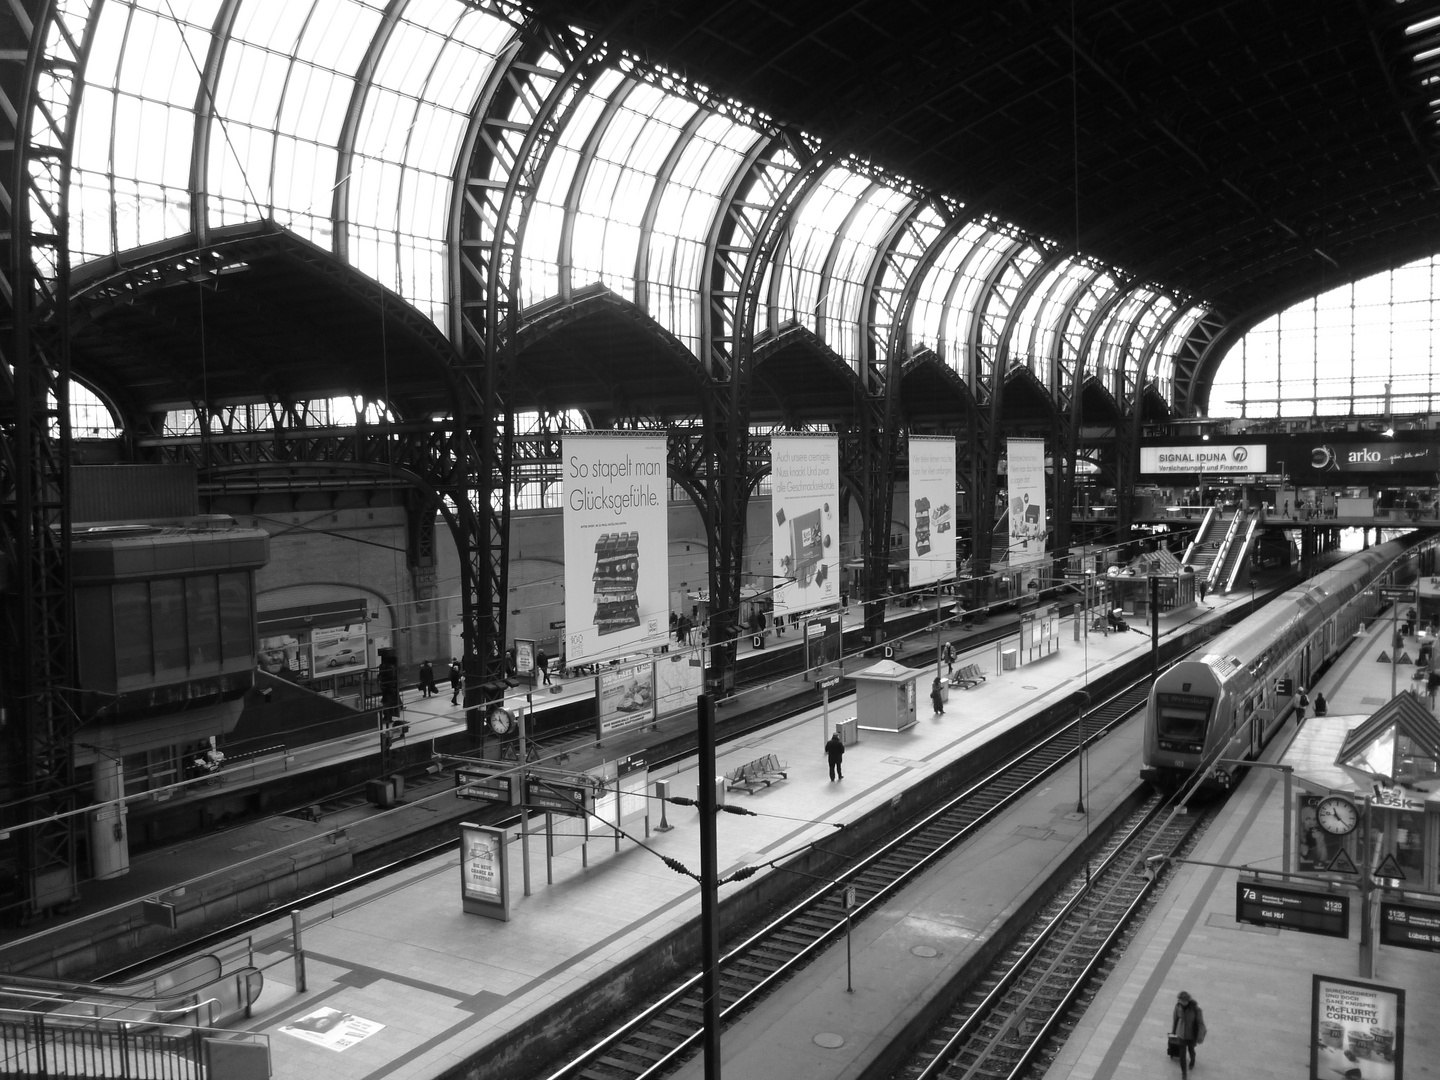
(625, 697)
(932, 510)
(338, 649)
(805, 522)
(1357, 1030)
(616, 544)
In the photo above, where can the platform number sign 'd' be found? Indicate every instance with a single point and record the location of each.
(1289, 908)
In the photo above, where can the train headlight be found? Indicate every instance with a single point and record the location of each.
(1224, 779)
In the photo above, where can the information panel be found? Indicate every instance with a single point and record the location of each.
(1410, 927)
(484, 787)
(556, 796)
(1291, 908)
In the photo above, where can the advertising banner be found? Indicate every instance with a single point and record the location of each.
(1356, 1029)
(1327, 459)
(1026, 494)
(338, 649)
(616, 576)
(625, 697)
(805, 499)
(932, 507)
(1203, 458)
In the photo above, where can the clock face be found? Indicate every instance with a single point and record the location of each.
(1337, 815)
(500, 720)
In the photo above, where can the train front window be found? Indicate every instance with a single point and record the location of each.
(1181, 719)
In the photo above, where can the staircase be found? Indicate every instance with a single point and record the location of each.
(1200, 554)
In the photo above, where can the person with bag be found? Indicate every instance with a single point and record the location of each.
(427, 680)
(949, 658)
(1187, 1030)
(1302, 702)
(457, 681)
(937, 696)
(835, 754)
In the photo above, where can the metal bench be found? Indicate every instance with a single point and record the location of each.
(762, 772)
(968, 676)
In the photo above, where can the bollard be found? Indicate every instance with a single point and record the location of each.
(662, 792)
(299, 952)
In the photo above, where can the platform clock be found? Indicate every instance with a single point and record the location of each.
(501, 720)
(1337, 815)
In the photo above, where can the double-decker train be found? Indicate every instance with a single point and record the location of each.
(1225, 704)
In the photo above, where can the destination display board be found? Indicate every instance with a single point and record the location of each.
(1311, 911)
(556, 797)
(1410, 926)
(483, 787)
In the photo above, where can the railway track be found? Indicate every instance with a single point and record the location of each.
(666, 1032)
(1010, 1023)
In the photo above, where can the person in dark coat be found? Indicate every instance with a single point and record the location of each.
(457, 680)
(542, 665)
(949, 658)
(1187, 1025)
(1321, 708)
(937, 698)
(835, 754)
(1302, 702)
(427, 679)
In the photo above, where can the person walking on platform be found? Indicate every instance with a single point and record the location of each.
(1321, 708)
(427, 679)
(1201, 583)
(937, 696)
(1187, 1025)
(1302, 702)
(542, 665)
(835, 754)
(949, 658)
(457, 680)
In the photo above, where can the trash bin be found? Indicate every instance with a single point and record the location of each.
(1008, 659)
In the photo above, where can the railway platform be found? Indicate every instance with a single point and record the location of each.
(446, 986)
(1255, 983)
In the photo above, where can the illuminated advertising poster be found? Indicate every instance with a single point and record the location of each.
(824, 635)
(616, 576)
(285, 655)
(338, 649)
(1026, 500)
(625, 697)
(1383, 456)
(932, 510)
(483, 871)
(805, 523)
(1356, 1030)
(1231, 458)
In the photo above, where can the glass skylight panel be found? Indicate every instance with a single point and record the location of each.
(1046, 329)
(935, 315)
(856, 253)
(686, 209)
(619, 186)
(816, 228)
(916, 236)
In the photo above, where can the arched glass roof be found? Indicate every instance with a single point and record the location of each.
(346, 121)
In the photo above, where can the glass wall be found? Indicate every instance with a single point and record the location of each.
(1366, 348)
